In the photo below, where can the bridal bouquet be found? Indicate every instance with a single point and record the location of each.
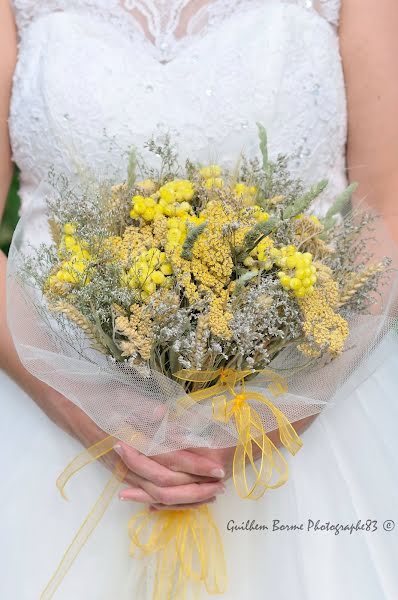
(196, 307)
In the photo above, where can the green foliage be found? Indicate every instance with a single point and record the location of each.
(338, 205)
(263, 146)
(259, 231)
(191, 238)
(10, 217)
(132, 169)
(304, 202)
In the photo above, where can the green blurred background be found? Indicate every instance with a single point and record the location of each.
(10, 216)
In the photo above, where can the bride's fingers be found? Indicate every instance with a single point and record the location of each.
(150, 469)
(136, 495)
(157, 507)
(110, 460)
(183, 494)
(188, 462)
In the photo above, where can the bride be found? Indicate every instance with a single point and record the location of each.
(205, 70)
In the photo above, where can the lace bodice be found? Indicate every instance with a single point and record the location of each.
(165, 24)
(204, 70)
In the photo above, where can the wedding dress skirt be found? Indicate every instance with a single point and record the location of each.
(345, 473)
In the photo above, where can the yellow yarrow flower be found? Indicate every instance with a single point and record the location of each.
(220, 317)
(147, 185)
(212, 263)
(326, 329)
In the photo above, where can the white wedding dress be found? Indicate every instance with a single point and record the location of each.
(205, 70)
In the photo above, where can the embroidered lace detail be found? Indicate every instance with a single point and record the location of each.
(82, 69)
(329, 9)
(166, 24)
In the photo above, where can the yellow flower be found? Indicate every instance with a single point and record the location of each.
(325, 329)
(210, 171)
(148, 272)
(178, 190)
(135, 241)
(298, 274)
(220, 317)
(144, 207)
(265, 253)
(214, 183)
(183, 275)
(212, 263)
(245, 192)
(69, 229)
(260, 215)
(147, 185)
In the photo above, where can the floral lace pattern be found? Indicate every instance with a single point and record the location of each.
(166, 24)
(231, 64)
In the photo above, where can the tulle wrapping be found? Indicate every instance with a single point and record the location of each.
(124, 401)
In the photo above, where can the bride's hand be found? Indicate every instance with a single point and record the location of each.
(176, 477)
(172, 480)
(225, 456)
(156, 486)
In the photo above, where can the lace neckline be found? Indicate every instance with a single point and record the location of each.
(167, 27)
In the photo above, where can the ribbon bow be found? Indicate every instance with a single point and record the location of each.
(189, 550)
(249, 425)
(181, 539)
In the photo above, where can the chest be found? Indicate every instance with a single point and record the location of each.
(85, 90)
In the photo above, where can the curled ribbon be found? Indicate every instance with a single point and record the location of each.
(189, 550)
(249, 426)
(187, 542)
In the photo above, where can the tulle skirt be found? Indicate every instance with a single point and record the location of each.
(330, 533)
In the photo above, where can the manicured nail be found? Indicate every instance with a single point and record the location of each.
(118, 449)
(217, 472)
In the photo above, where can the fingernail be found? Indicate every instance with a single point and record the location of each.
(118, 449)
(220, 491)
(217, 472)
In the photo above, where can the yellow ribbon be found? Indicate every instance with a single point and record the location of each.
(189, 550)
(187, 542)
(249, 425)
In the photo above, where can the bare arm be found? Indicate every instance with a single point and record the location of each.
(369, 47)
(9, 361)
(165, 482)
(56, 406)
